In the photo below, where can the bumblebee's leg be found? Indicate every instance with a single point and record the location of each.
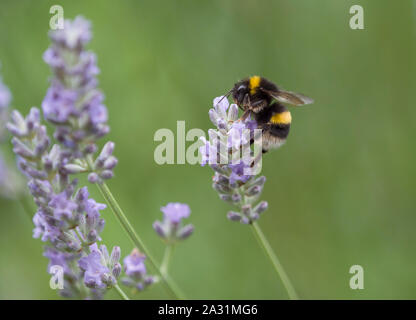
(246, 102)
(245, 115)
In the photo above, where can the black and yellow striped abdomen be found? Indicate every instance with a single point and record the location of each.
(275, 122)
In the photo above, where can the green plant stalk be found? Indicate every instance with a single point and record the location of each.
(166, 259)
(134, 237)
(121, 292)
(262, 240)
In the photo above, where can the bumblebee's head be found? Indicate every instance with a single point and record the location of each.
(239, 91)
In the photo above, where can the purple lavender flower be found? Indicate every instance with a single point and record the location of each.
(135, 270)
(75, 34)
(231, 152)
(67, 219)
(59, 104)
(74, 104)
(94, 270)
(134, 264)
(104, 164)
(175, 212)
(171, 229)
(100, 269)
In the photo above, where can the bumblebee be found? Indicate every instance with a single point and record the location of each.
(262, 98)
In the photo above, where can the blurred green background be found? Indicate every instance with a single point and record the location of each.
(341, 191)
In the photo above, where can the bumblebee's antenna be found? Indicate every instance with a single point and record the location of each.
(225, 96)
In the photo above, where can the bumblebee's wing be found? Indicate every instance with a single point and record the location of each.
(293, 98)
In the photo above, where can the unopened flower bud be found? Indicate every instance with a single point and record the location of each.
(92, 236)
(106, 174)
(115, 255)
(233, 113)
(261, 207)
(116, 270)
(233, 216)
(158, 227)
(253, 191)
(236, 198)
(185, 232)
(74, 169)
(93, 177)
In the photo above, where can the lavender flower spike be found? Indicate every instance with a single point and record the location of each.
(67, 219)
(171, 229)
(234, 152)
(73, 103)
(234, 157)
(135, 270)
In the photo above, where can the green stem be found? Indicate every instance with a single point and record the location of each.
(121, 292)
(275, 261)
(166, 259)
(134, 237)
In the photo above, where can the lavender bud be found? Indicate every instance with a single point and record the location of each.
(108, 279)
(107, 150)
(261, 207)
(221, 179)
(233, 216)
(213, 116)
(91, 220)
(236, 198)
(93, 177)
(37, 174)
(158, 227)
(245, 220)
(116, 270)
(253, 191)
(17, 126)
(233, 113)
(106, 174)
(100, 225)
(260, 181)
(110, 163)
(149, 280)
(90, 149)
(74, 169)
(115, 255)
(222, 125)
(226, 197)
(221, 188)
(185, 232)
(92, 236)
(21, 149)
